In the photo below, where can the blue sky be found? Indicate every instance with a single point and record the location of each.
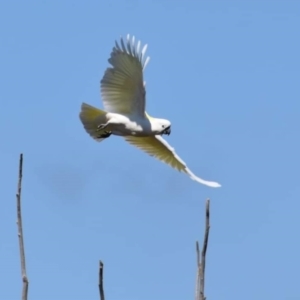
(226, 73)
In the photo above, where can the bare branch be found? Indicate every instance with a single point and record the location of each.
(101, 288)
(201, 263)
(20, 232)
(198, 272)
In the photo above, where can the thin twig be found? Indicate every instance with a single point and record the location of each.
(201, 263)
(20, 232)
(198, 272)
(101, 288)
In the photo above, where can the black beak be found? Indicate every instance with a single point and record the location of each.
(167, 131)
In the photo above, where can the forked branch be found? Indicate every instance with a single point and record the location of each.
(20, 232)
(200, 281)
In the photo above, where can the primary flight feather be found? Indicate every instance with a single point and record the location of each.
(124, 99)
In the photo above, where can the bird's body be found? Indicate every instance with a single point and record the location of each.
(124, 98)
(123, 125)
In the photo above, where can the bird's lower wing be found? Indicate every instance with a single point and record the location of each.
(159, 148)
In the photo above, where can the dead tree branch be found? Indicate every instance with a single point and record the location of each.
(200, 281)
(101, 288)
(198, 273)
(20, 232)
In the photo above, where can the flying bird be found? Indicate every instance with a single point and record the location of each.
(123, 94)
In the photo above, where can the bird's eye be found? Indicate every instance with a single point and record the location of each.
(163, 126)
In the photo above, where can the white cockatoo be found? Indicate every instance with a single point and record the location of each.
(124, 99)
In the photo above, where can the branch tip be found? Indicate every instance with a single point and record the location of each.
(20, 231)
(101, 288)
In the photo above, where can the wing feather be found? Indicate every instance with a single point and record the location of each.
(122, 86)
(159, 148)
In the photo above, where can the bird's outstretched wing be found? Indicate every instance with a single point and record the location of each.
(122, 86)
(159, 148)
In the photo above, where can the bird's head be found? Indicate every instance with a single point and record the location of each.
(161, 126)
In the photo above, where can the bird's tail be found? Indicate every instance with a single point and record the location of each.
(91, 117)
